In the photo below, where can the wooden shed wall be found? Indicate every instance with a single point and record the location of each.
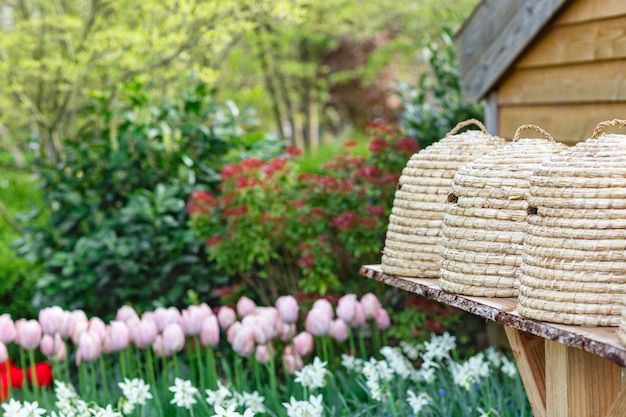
(572, 77)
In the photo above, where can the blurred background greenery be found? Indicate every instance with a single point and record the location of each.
(113, 112)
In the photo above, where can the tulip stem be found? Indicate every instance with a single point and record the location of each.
(257, 372)
(175, 358)
(150, 366)
(272, 372)
(211, 367)
(104, 379)
(33, 373)
(376, 336)
(325, 348)
(352, 344)
(238, 372)
(197, 352)
(122, 360)
(362, 345)
(92, 378)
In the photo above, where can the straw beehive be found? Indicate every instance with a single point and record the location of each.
(484, 224)
(574, 261)
(412, 245)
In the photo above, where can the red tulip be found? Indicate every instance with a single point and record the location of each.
(43, 372)
(17, 378)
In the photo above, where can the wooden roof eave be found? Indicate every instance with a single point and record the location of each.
(494, 36)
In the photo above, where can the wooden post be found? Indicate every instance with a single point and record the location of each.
(578, 383)
(529, 352)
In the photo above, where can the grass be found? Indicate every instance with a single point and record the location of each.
(313, 161)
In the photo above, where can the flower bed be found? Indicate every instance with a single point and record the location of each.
(246, 360)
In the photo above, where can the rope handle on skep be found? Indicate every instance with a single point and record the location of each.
(608, 123)
(532, 127)
(468, 122)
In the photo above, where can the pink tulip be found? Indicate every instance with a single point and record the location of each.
(288, 308)
(28, 333)
(159, 348)
(226, 316)
(89, 347)
(97, 325)
(287, 331)
(263, 330)
(125, 314)
(164, 316)
(291, 360)
(210, 332)
(317, 322)
(325, 305)
(359, 316)
(383, 322)
(70, 318)
(144, 333)
(173, 338)
(262, 354)
(303, 343)
(192, 319)
(51, 319)
(346, 307)
(78, 329)
(7, 329)
(117, 337)
(243, 342)
(371, 305)
(205, 309)
(53, 347)
(339, 330)
(232, 331)
(4, 353)
(245, 306)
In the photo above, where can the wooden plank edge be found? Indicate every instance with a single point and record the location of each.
(546, 330)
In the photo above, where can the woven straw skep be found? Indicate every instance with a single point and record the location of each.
(412, 245)
(485, 224)
(574, 253)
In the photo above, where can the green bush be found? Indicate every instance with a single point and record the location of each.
(117, 231)
(17, 286)
(435, 106)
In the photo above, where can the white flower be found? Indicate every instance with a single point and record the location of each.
(64, 392)
(411, 351)
(311, 408)
(252, 401)
(312, 375)
(106, 412)
(374, 372)
(439, 347)
(184, 393)
(31, 410)
(493, 356)
(484, 413)
(426, 375)
(418, 402)
(470, 371)
(400, 364)
(135, 390)
(351, 363)
(230, 412)
(221, 396)
(508, 367)
(12, 408)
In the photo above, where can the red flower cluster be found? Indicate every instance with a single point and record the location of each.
(201, 202)
(43, 373)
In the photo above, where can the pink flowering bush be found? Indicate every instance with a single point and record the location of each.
(280, 230)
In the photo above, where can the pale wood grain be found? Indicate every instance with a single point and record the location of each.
(586, 42)
(585, 10)
(494, 36)
(530, 356)
(568, 123)
(602, 81)
(618, 409)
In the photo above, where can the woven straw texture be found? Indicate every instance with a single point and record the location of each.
(573, 267)
(413, 240)
(484, 224)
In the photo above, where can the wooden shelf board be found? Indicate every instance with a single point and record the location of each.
(601, 341)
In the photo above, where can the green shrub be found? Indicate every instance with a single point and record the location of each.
(17, 283)
(435, 106)
(117, 231)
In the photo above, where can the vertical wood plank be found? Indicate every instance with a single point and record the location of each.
(529, 352)
(578, 383)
